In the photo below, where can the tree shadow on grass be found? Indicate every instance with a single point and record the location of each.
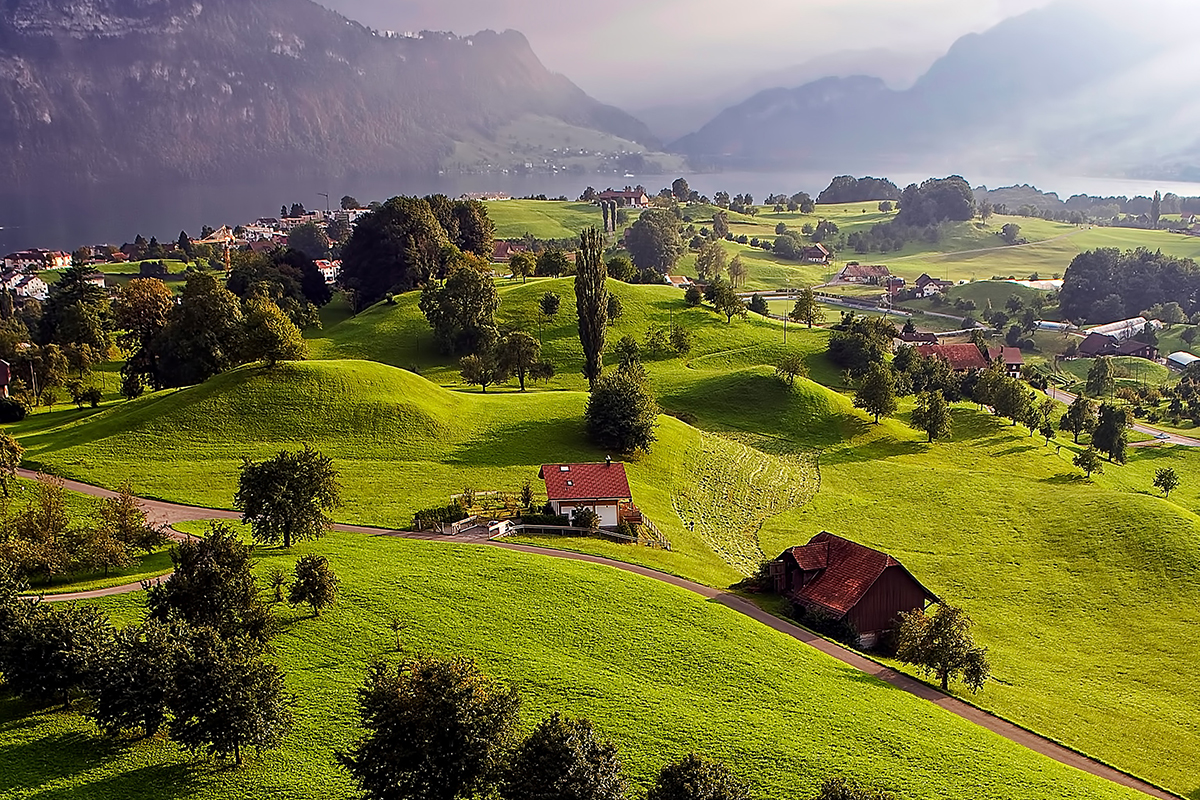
(875, 451)
(156, 781)
(526, 443)
(30, 764)
(1068, 479)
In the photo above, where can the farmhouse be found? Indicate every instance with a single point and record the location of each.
(915, 338)
(847, 581)
(1010, 357)
(927, 286)
(1135, 349)
(1097, 344)
(1126, 329)
(502, 251)
(629, 197)
(858, 273)
(601, 487)
(680, 281)
(960, 357)
(819, 254)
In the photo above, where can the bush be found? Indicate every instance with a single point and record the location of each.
(432, 517)
(840, 630)
(11, 410)
(585, 518)
(693, 296)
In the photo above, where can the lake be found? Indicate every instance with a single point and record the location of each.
(117, 213)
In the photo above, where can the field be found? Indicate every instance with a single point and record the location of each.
(659, 670)
(1085, 591)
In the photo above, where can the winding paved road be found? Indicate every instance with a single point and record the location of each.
(1160, 436)
(163, 512)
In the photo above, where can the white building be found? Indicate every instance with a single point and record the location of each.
(603, 488)
(37, 260)
(1181, 360)
(1126, 329)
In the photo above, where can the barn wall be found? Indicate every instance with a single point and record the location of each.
(895, 591)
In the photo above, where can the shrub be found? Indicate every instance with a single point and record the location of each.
(840, 630)
(11, 410)
(549, 520)
(431, 517)
(585, 518)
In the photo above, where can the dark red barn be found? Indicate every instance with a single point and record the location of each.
(847, 581)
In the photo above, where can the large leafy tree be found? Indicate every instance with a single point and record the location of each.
(932, 415)
(124, 517)
(1100, 377)
(1166, 480)
(841, 789)
(462, 312)
(711, 261)
(48, 653)
(519, 352)
(288, 498)
(310, 239)
(653, 241)
(562, 759)
(591, 303)
(11, 453)
(396, 247)
(434, 730)
(941, 644)
(204, 335)
(1080, 417)
(807, 311)
(1111, 436)
(225, 698)
(212, 586)
(132, 681)
(876, 392)
(287, 276)
(76, 316)
(696, 778)
(622, 413)
(270, 336)
(141, 312)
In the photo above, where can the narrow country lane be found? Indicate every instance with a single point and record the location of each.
(1160, 436)
(172, 512)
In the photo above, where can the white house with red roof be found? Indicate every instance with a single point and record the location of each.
(603, 488)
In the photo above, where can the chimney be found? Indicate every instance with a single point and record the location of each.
(608, 461)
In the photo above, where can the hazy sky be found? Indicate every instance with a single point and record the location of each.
(642, 52)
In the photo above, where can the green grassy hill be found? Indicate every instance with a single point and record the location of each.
(659, 670)
(1085, 591)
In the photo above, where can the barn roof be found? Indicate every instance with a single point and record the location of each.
(604, 481)
(862, 270)
(958, 356)
(848, 571)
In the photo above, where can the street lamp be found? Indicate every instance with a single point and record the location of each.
(326, 196)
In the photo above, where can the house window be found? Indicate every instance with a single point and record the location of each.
(570, 483)
(564, 468)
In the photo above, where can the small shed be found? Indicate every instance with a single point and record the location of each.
(849, 581)
(1181, 360)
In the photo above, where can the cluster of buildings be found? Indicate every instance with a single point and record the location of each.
(20, 272)
(1117, 339)
(966, 357)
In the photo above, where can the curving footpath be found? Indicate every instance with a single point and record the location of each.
(164, 512)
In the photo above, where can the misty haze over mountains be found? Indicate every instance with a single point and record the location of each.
(282, 97)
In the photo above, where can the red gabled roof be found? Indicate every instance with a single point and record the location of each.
(958, 356)
(849, 570)
(605, 481)
(1011, 356)
(863, 270)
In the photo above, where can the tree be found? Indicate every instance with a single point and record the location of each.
(434, 730)
(132, 681)
(49, 653)
(807, 311)
(1089, 461)
(876, 392)
(562, 759)
(615, 309)
(76, 315)
(1080, 417)
(40, 537)
(462, 312)
(287, 498)
(552, 263)
(932, 415)
(586, 519)
(629, 355)
(696, 778)
(591, 303)
(1011, 233)
(518, 352)
(1112, 433)
(942, 645)
(711, 261)
(693, 296)
(310, 239)
(203, 336)
(350, 203)
(621, 413)
(212, 586)
(270, 336)
(1011, 399)
(141, 312)
(721, 221)
(621, 268)
(758, 305)
(225, 698)
(11, 454)
(549, 305)
(1046, 430)
(841, 789)
(790, 368)
(1166, 480)
(522, 265)
(394, 248)
(653, 241)
(315, 584)
(726, 301)
(1155, 210)
(681, 340)
(737, 271)
(127, 522)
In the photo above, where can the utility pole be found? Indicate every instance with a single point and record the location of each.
(326, 196)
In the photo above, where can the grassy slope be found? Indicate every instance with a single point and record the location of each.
(1030, 550)
(659, 670)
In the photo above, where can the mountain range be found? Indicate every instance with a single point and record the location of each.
(223, 89)
(1054, 87)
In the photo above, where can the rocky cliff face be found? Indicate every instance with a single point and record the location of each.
(233, 89)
